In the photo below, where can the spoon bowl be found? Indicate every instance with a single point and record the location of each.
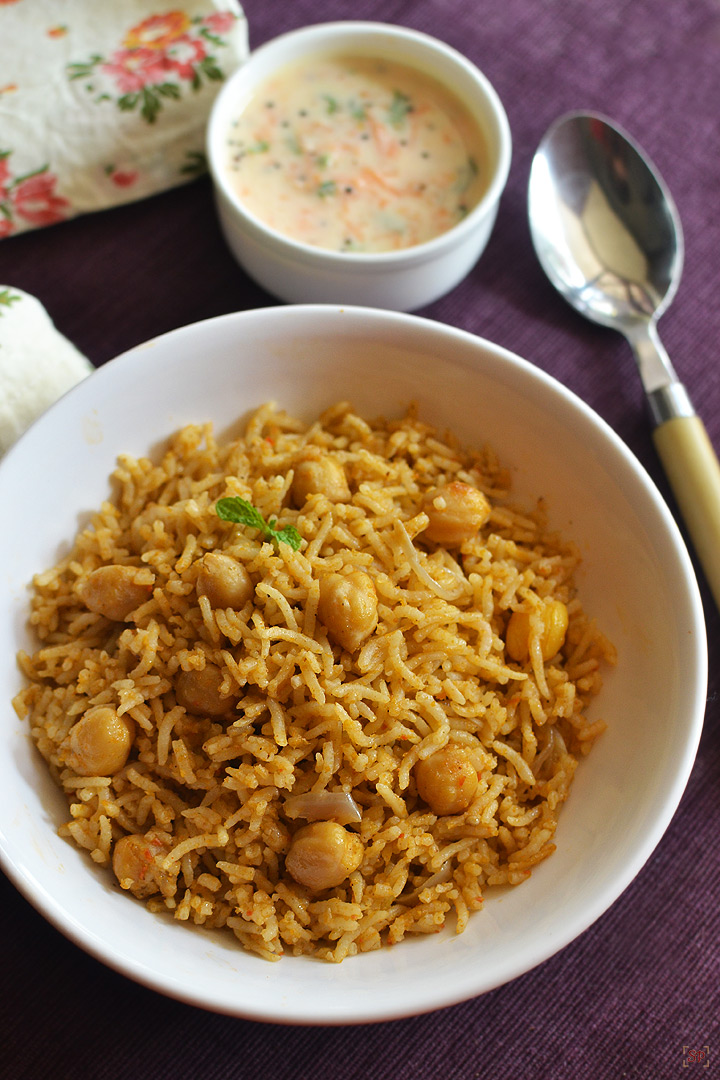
(605, 227)
(608, 235)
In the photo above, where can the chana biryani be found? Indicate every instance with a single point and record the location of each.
(322, 685)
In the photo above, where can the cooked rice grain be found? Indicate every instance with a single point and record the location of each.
(206, 793)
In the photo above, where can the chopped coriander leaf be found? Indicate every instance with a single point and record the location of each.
(465, 175)
(329, 187)
(331, 103)
(293, 143)
(259, 148)
(392, 222)
(400, 106)
(241, 512)
(357, 111)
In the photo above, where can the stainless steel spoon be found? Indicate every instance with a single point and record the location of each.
(608, 235)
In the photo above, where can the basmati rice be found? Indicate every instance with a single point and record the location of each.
(204, 794)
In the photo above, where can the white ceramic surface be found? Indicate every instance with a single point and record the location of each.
(637, 579)
(403, 280)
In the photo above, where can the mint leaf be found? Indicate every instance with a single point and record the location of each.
(288, 535)
(241, 512)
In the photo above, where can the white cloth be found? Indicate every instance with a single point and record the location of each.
(37, 363)
(103, 102)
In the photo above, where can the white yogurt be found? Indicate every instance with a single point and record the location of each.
(354, 153)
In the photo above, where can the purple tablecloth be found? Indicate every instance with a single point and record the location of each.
(638, 993)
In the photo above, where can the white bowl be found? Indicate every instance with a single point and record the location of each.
(636, 579)
(402, 280)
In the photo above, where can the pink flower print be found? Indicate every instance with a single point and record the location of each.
(6, 215)
(5, 176)
(122, 178)
(36, 202)
(220, 22)
(133, 69)
(31, 198)
(183, 55)
(160, 57)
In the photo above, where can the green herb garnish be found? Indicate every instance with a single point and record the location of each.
(258, 148)
(332, 104)
(357, 111)
(241, 512)
(293, 143)
(465, 175)
(329, 187)
(400, 106)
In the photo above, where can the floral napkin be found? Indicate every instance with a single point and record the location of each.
(37, 363)
(103, 102)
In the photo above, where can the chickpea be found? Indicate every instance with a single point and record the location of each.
(319, 476)
(554, 616)
(224, 581)
(133, 861)
(456, 512)
(112, 591)
(447, 780)
(348, 608)
(99, 743)
(199, 692)
(323, 854)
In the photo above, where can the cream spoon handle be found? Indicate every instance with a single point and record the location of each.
(693, 470)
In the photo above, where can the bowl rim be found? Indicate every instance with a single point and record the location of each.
(328, 32)
(423, 1000)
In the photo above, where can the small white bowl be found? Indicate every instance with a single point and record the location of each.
(402, 280)
(636, 579)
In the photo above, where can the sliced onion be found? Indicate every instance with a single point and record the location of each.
(336, 806)
(554, 747)
(411, 554)
(444, 874)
